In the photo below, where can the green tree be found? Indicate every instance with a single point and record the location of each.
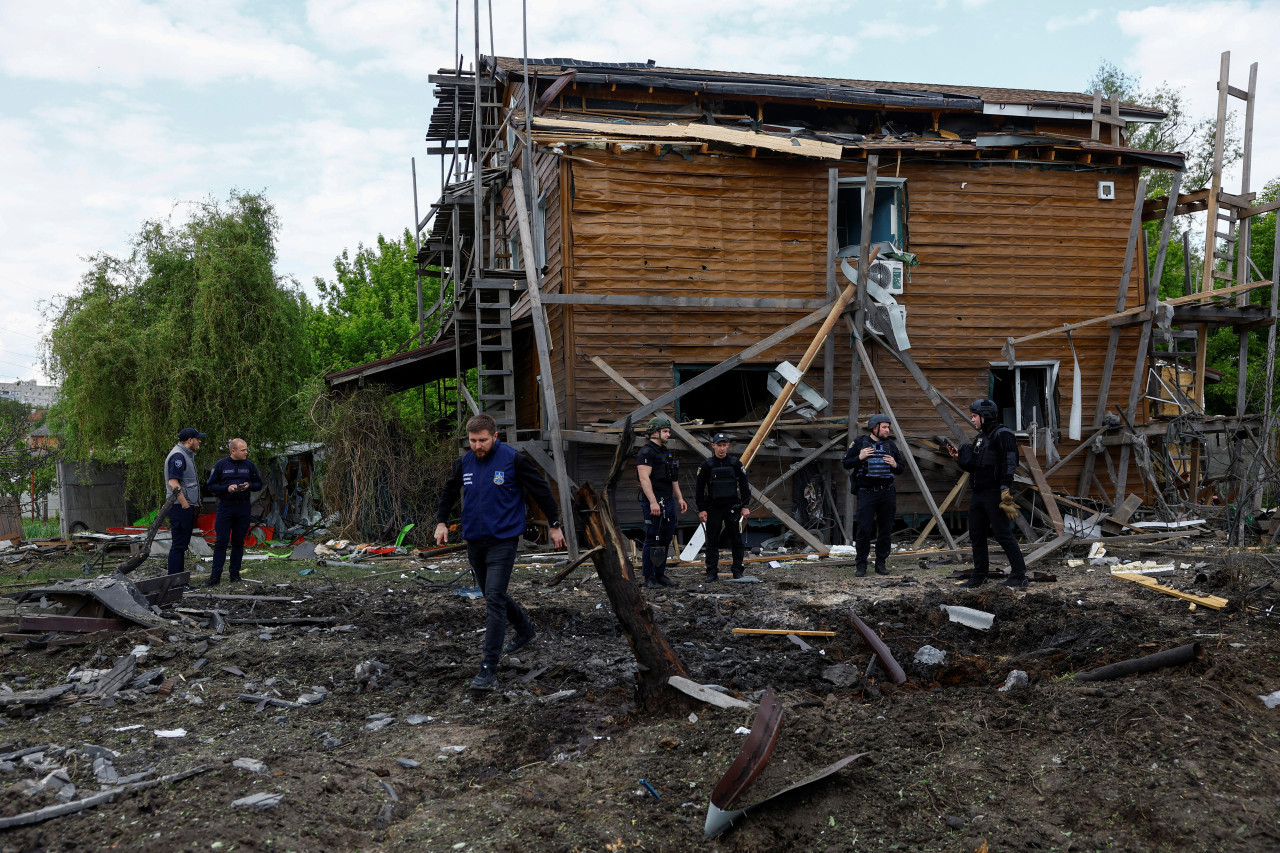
(193, 328)
(370, 311)
(24, 469)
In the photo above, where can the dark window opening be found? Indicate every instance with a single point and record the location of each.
(736, 395)
(888, 220)
(1027, 396)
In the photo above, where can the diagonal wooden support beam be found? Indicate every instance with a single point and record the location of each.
(725, 366)
(1042, 485)
(542, 337)
(689, 439)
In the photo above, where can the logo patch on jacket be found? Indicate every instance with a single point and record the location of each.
(499, 477)
(178, 463)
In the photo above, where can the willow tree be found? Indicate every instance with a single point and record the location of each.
(193, 328)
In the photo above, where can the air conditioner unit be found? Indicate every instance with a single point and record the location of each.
(887, 273)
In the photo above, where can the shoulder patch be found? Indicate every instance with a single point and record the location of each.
(179, 463)
(499, 477)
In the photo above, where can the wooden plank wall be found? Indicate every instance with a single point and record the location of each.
(1005, 249)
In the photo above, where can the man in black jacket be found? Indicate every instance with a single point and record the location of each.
(872, 462)
(723, 495)
(991, 458)
(232, 479)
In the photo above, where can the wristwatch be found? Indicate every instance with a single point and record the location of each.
(555, 525)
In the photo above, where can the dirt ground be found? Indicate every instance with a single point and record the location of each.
(1181, 759)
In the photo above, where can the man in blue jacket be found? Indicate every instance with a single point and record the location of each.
(232, 479)
(492, 478)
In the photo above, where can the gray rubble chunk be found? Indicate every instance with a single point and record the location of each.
(378, 724)
(417, 719)
(407, 763)
(1017, 678)
(258, 801)
(253, 765)
(929, 656)
(841, 674)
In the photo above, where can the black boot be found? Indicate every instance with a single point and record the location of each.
(860, 571)
(975, 580)
(1016, 581)
(712, 576)
(881, 569)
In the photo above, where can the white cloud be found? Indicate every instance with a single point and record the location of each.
(131, 42)
(1182, 44)
(1079, 19)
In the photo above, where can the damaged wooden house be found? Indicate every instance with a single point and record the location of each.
(619, 239)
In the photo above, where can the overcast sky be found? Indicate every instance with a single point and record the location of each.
(113, 112)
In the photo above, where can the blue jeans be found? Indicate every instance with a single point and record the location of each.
(181, 523)
(658, 530)
(231, 524)
(987, 519)
(876, 510)
(492, 562)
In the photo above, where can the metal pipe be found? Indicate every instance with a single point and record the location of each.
(881, 650)
(1170, 657)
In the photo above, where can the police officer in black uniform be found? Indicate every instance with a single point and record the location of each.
(991, 458)
(232, 479)
(722, 495)
(660, 497)
(872, 462)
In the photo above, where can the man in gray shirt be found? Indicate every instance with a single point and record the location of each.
(180, 473)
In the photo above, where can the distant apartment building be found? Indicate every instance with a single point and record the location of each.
(30, 392)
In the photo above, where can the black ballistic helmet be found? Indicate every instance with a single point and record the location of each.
(876, 420)
(984, 407)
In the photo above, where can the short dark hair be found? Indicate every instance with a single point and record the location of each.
(482, 423)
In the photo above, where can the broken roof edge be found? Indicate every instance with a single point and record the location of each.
(946, 96)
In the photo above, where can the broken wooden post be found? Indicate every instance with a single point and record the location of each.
(943, 507)
(810, 354)
(542, 338)
(657, 661)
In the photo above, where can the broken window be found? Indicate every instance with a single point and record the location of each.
(888, 220)
(1026, 395)
(538, 227)
(740, 394)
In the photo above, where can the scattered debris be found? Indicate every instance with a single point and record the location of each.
(1172, 657)
(705, 694)
(968, 616)
(1017, 678)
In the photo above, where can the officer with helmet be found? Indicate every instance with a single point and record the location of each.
(659, 472)
(991, 458)
(723, 495)
(872, 462)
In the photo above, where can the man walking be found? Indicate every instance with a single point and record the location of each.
(723, 495)
(872, 462)
(991, 458)
(232, 479)
(659, 473)
(492, 478)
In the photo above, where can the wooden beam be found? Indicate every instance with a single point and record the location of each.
(687, 437)
(542, 338)
(800, 463)
(725, 366)
(781, 632)
(1042, 484)
(943, 507)
(1177, 300)
(806, 360)
(725, 303)
(1212, 601)
(941, 403)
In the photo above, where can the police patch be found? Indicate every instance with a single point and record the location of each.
(499, 477)
(178, 463)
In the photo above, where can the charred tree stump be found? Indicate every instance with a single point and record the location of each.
(656, 659)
